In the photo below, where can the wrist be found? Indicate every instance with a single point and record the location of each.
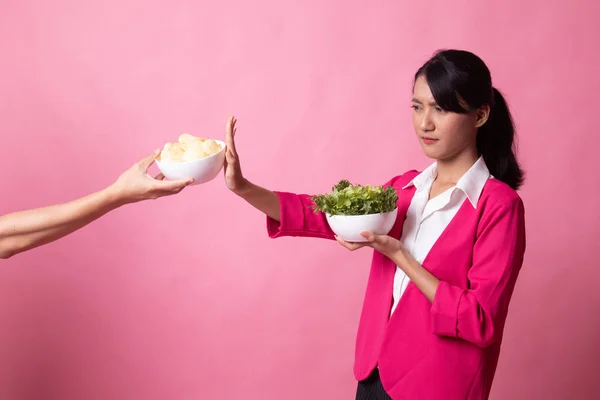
(242, 188)
(401, 257)
(114, 196)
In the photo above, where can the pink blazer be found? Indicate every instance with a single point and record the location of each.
(447, 349)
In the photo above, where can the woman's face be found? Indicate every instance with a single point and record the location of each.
(443, 135)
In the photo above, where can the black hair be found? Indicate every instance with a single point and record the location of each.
(461, 82)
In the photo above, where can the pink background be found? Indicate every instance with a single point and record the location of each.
(186, 298)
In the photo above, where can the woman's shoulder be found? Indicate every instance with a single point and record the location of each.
(400, 181)
(498, 194)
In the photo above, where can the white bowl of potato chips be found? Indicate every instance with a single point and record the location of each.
(191, 157)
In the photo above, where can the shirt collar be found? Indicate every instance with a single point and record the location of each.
(427, 176)
(471, 183)
(474, 180)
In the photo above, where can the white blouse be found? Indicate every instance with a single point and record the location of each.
(426, 219)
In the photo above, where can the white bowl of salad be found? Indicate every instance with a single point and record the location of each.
(352, 209)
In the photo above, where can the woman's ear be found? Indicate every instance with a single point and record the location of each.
(482, 115)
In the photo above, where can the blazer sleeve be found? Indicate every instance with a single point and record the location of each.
(478, 313)
(298, 218)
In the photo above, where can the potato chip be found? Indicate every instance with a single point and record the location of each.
(188, 148)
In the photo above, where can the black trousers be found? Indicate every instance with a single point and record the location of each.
(371, 388)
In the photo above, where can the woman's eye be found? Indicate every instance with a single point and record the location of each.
(439, 109)
(415, 107)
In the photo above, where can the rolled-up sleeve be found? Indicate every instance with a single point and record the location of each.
(478, 314)
(298, 218)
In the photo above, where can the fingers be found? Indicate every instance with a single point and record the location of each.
(147, 161)
(225, 164)
(233, 126)
(384, 244)
(163, 187)
(376, 242)
(159, 177)
(230, 130)
(350, 246)
(230, 157)
(342, 242)
(370, 236)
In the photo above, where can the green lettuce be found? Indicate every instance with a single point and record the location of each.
(349, 199)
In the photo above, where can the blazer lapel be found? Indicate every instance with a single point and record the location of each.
(405, 196)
